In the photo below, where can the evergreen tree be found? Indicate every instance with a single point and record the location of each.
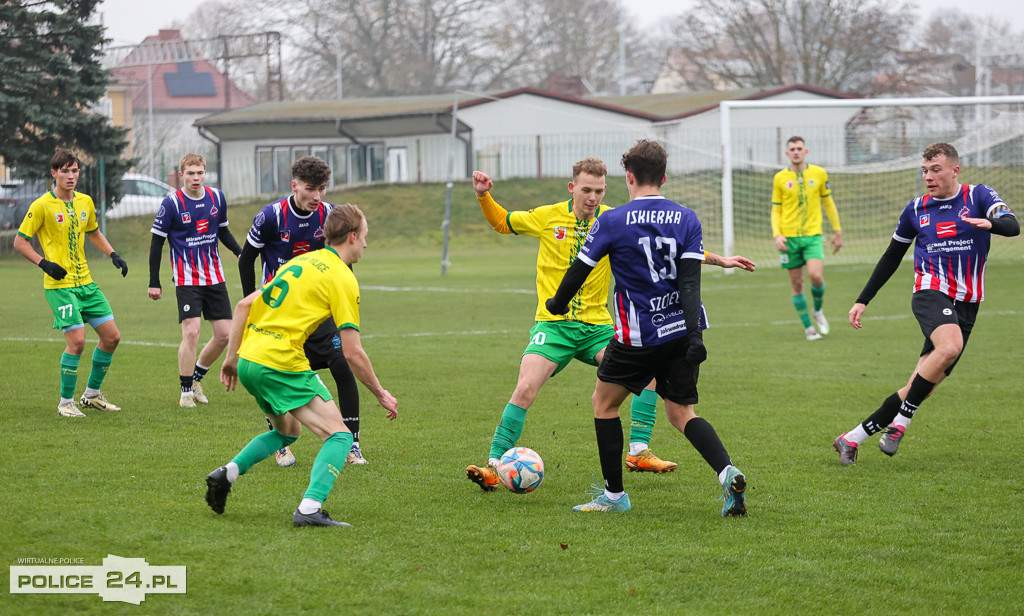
(50, 77)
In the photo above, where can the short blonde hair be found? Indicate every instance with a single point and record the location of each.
(590, 166)
(191, 159)
(342, 220)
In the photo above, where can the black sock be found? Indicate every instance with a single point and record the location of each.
(609, 449)
(348, 395)
(705, 440)
(919, 390)
(199, 373)
(880, 419)
(186, 383)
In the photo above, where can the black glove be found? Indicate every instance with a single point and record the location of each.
(52, 269)
(696, 352)
(550, 305)
(119, 263)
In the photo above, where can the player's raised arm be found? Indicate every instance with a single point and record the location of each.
(494, 213)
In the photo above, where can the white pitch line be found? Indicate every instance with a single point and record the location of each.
(494, 332)
(446, 290)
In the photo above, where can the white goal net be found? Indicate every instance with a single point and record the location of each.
(871, 149)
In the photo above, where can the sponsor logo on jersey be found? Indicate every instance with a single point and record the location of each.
(945, 229)
(260, 218)
(926, 220)
(300, 248)
(964, 212)
(186, 217)
(789, 185)
(286, 236)
(60, 217)
(160, 212)
(828, 184)
(560, 233)
(203, 225)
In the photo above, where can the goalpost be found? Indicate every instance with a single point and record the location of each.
(871, 149)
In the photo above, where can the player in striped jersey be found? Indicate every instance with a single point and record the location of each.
(798, 194)
(267, 332)
(951, 228)
(287, 228)
(193, 221)
(63, 218)
(654, 247)
(582, 333)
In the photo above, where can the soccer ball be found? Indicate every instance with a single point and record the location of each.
(520, 470)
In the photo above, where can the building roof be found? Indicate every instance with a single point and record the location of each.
(354, 117)
(399, 116)
(180, 86)
(357, 118)
(679, 105)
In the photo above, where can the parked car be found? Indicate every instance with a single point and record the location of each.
(15, 197)
(142, 196)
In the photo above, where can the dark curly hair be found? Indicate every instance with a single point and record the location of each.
(311, 170)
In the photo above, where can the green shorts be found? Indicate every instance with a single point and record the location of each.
(563, 341)
(800, 249)
(278, 392)
(74, 306)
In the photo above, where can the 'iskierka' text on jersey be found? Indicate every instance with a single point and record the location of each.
(950, 255)
(645, 240)
(191, 227)
(281, 231)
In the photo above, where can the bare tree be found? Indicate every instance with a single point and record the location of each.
(407, 47)
(833, 44)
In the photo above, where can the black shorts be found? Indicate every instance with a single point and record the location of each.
(324, 345)
(210, 301)
(634, 367)
(935, 308)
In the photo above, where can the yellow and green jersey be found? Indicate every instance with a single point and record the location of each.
(797, 199)
(303, 293)
(561, 236)
(62, 226)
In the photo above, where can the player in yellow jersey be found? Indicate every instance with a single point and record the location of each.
(63, 218)
(582, 333)
(798, 194)
(265, 353)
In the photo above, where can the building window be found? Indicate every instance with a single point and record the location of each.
(358, 164)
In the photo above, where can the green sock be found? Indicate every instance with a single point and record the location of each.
(642, 412)
(68, 374)
(261, 448)
(818, 293)
(508, 431)
(100, 365)
(800, 303)
(327, 465)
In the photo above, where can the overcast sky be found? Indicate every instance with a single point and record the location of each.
(130, 21)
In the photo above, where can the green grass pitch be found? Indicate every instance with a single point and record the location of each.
(937, 529)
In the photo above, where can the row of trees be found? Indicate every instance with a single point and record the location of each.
(51, 74)
(408, 47)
